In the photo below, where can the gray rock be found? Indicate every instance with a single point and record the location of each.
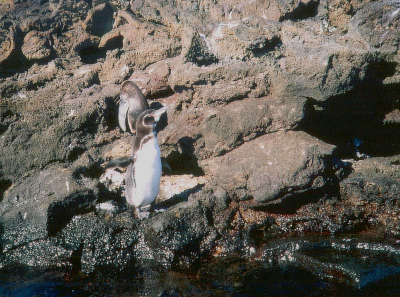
(177, 188)
(375, 181)
(42, 204)
(377, 24)
(50, 135)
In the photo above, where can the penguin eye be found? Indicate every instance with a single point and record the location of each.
(148, 120)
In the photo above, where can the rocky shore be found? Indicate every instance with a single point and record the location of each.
(282, 128)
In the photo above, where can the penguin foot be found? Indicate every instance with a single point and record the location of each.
(142, 214)
(159, 210)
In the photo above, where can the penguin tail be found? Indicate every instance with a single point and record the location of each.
(166, 169)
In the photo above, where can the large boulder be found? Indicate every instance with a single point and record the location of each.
(47, 135)
(36, 46)
(216, 131)
(42, 205)
(277, 165)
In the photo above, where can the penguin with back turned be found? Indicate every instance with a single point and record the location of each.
(132, 104)
(142, 177)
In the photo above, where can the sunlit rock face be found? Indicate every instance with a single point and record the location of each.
(282, 120)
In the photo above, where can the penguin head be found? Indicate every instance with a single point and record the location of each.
(147, 121)
(132, 104)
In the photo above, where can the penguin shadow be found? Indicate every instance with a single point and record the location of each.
(116, 198)
(163, 122)
(184, 161)
(177, 199)
(111, 113)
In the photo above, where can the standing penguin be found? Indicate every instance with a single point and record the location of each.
(132, 104)
(142, 177)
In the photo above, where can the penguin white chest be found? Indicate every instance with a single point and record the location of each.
(147, 172)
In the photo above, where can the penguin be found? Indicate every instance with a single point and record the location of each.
(132, 104)
(126, 161)
(142, 177)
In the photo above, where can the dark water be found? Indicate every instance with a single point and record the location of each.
(243, 282)
(288, 282)
(315, 268)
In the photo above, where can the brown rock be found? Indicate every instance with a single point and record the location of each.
(273, 166)
(243, 40)
(36, 46)
(153, 80)
(35, 206)
(378, 24)
(99, 20)
(7, 44)
(216, 131)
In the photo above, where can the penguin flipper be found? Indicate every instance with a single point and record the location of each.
(122, 113)
(130, 183)
(120, 162)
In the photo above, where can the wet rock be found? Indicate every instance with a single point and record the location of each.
(38, 253)
(355, 262)
(256, 166)
(104, 241)
(180, 235)
(36, 46)
(375, 183)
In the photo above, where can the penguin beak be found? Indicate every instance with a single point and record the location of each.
(122, 112)
(158, 113)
